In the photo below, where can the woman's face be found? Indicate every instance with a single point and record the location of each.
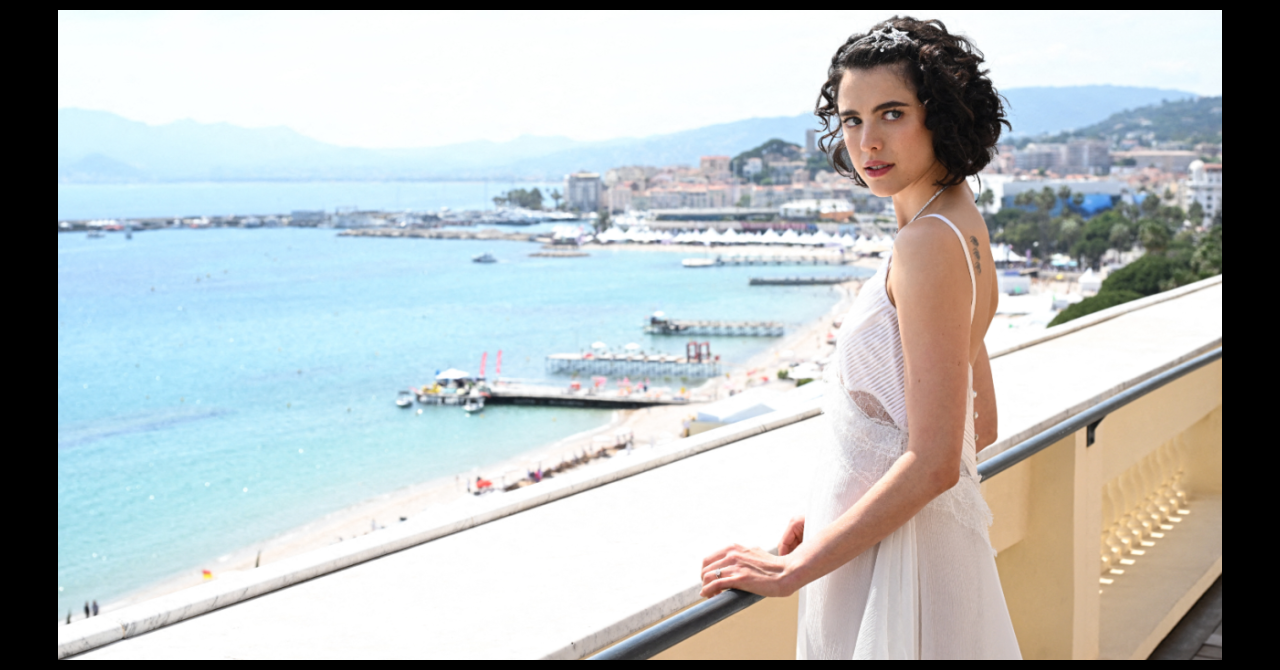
(884, 131)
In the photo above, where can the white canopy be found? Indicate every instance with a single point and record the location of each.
(452, 374)
(789, 237)
(770, 236)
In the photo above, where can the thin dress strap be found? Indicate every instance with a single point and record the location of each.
(973, 280)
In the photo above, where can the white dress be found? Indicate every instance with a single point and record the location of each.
(930, 589)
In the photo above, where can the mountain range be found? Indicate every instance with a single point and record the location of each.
(96, 146)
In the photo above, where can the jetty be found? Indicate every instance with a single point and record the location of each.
(438, 234)
(799, 281)
(660, 325)
(697, 362)
(766, 259)
(559, 254)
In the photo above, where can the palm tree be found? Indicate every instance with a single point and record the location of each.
(986, 199)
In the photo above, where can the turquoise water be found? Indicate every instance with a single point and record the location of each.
(218, 387)
(103, 201)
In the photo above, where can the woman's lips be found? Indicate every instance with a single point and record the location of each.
(878, 170)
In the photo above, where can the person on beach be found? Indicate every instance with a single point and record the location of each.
(891, 557)
(86, 609)
(95, 608)
(68, 617)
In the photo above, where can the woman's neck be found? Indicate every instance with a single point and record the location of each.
(909, 200)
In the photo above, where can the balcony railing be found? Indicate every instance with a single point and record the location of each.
(1158, 496)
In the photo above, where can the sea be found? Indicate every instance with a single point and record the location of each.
(219, 387)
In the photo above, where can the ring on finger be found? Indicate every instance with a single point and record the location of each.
(717, 573)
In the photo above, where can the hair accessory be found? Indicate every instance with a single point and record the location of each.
(888, 37)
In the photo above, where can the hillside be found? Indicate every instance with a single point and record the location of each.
(1189, 121)
(95, 146)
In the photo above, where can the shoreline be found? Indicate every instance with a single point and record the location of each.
(649, 427)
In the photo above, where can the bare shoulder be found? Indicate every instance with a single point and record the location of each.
(923, 243)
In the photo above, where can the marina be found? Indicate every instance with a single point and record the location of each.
(799, 281)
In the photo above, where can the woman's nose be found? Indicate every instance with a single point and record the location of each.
(869, 141)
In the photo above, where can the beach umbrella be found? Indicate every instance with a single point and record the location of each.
(599, 345)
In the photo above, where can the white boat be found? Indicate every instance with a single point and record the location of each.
(699, 262)
(404, 400)
(473, 405)
(484, 258)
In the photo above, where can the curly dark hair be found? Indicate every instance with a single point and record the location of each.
(963, 109)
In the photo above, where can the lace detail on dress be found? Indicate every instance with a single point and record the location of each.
(866, 447)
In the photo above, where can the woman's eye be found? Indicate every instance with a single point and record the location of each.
(852, 121)
(893, 114)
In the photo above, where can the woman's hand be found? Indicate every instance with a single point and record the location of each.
(792, 536)
(753, 570)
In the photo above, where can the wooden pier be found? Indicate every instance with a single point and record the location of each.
(798, 281)
(661, 326)
(638, 365)
(781, 259)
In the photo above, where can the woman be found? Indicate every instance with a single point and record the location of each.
(892, 558)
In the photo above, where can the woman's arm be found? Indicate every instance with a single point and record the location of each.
(930, 285)
(984, 426)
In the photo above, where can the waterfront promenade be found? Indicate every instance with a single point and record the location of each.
(563, 571)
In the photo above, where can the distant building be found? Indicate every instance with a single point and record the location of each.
(781, 172)
(582, 191)
(753, 167)
(1204, 185)
(1169, 161)
(715, 168)
(307, 217)
(1040, 156)
(619, 197)
(1087, 157)
(810, 141)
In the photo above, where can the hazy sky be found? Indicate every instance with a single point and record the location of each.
(430, 78)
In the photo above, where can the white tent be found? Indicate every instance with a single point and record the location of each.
(789, 237)
(709, 236)
(847, 240)
(452, 374)
(730, 236)
(611, 235)
(770, 236)
(821, 237)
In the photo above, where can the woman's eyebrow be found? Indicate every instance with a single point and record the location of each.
(880, 107)
(888, 105)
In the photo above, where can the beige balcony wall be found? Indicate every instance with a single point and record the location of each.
(1048, 520)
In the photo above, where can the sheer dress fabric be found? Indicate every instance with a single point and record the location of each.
(930, 589)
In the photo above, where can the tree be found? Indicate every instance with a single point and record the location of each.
(1064, 193)
(1077, 199)
(986, 199)
(1149, 205)
(556, 197)
(1154, 235)
(1094, 240)
(1046, 199)
(745, 200)
(602, 221)
(1196, 213)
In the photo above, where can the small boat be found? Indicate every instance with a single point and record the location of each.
(700, 262)
(94, 234)
(473, 405)
(404, 399)
(484, 258)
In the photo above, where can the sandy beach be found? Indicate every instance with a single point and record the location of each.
(648, 427)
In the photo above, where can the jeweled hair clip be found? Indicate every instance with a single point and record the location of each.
(888, 37)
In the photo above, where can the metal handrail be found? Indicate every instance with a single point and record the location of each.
(667, 634)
